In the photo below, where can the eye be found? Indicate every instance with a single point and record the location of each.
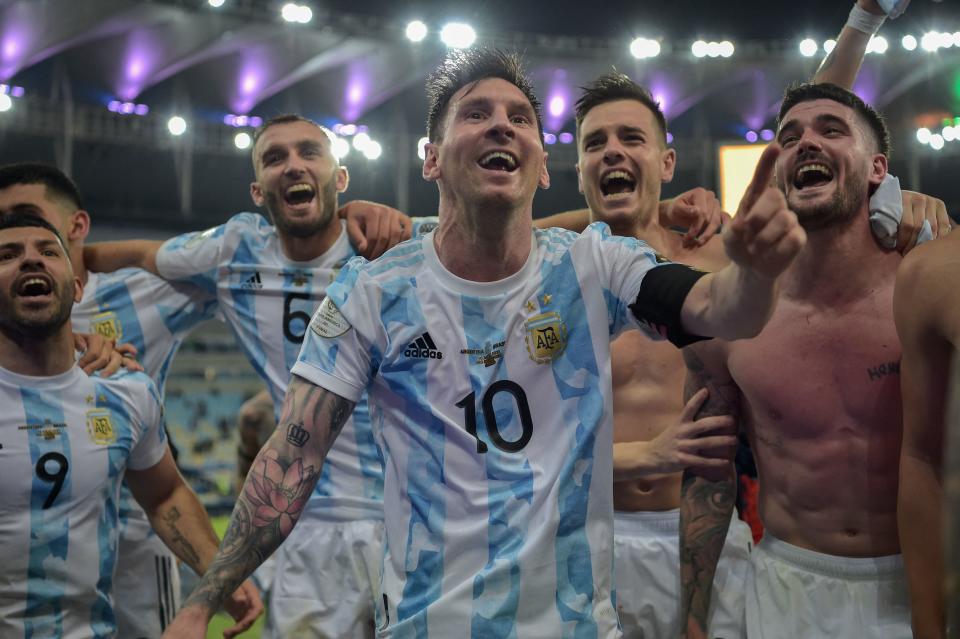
(51, 253)
(591, 144)
(310, 153)
(270, 158)
(788, 140)
(520, 119)
(6, 255)
(475, 115)
(834, 131)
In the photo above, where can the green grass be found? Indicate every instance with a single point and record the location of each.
(222, 621)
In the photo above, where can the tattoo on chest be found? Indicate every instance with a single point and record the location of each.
(877, 373)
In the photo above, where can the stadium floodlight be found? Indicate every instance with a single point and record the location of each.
(242, 140)
(725, 49)
(877, 44)
(216, 4)
(339, 147)
(936, 141)
(751, 136)
(416, 31)
(809, 47)
(422, 147)
(458, 35)
(699, 49)
(6, 102)
(828, 45)
(930, 41)
(361, 140)
(292, 12)
(923, 135)
(372, 150)
(177, 125)
(949, 133)
(909, 42)
(641, 48)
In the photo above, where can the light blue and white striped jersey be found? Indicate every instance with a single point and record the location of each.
(134, 306)
(492, 405)
(267, 301)
(65, 443)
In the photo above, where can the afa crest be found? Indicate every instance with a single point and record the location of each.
(107, 325)
(546, 337)
(100, 427)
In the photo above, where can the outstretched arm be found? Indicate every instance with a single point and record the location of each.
(106, 257)
(707, 497)
(283, 476)
(842, 65)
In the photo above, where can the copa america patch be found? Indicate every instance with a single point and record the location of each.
(328, 321)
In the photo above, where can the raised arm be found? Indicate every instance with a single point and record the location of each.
(923, 284)
(707, 497)
(284, 474)
(761, 242)
(106, 257)
(842, 65)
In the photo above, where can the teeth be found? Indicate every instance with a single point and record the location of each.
(814, 167)
(296, 188)
(489, 157)
(613, 175)
(34, 280)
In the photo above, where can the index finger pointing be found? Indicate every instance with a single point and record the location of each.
(762, 177)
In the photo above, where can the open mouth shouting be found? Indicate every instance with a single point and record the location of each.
(617, 184)
(499, 161)
(812, 175)
(299, 195)
(34, 287)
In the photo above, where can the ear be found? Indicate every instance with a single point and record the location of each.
(668, 163)
(579, 178)
(78, 226)
(544, 181)
(878, 170)
(343, 179)
(256, 194)
(77, 290)
(431, 167)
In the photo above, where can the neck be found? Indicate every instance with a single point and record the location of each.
(840, 263)
(37, 357)
(483, 244)
(305, 249)
(645, 226)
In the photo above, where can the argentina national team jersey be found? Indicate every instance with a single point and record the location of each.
(136, 307)
(267, 300)
(65, 443)
(491, 402)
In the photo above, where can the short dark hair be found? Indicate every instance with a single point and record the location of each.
(807, 92)
(19, 219)
(285, 118)
(467, 66)
(56, 181)
(614, 86)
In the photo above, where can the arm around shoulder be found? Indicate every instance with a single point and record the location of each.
(106, 257)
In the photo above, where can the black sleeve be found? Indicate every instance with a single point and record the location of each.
(661, 297)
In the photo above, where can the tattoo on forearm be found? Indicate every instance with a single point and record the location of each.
(877, 373)
(276, 489)
(181, 543)
(297, 435)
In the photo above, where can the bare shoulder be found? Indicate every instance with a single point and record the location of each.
(925, 287)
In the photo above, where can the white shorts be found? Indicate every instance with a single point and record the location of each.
(146, 583)
(327, 581)
(647, 576)
(802, 594)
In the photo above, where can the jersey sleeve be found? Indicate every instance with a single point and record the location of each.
(193, 257)
(152, 441)
(644, 290)
(340, 351)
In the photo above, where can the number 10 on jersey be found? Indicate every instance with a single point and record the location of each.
(469, 406)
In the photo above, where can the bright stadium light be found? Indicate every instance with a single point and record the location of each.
(877, 44)
(422, 147)
(292, 12)
(930, 41)
(828, 45)
(215, 3)
(909, 42)
(416, 31)
(340, 148)
(176, 125)
(726, 49)
(6, 102)
(936, 141)
(949, 133)
(641, 48)
(242, 140)
(809, 47)
(360, 141)
(699, 49)
(373, 150)
(458, 35)
(923, 135)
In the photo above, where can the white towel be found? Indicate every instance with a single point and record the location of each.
(893, 8)
(886, 211)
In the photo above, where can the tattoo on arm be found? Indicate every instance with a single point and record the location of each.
(182, 545)
(276, 490)
(705, 508)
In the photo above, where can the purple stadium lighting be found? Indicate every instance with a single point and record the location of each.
(114, 106)
(127, 108)
(141, 109)
(357, 92)
(255, 121)
(549, 138)
(766, 135)
(346, 129)
(16, 92)
(566, 138)
(669, 138)
(751, 136)
(557, 106)
(229, 119)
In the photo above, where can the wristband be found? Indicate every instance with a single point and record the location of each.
(864, 21)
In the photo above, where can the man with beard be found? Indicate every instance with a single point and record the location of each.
(485, 348)
(817, 393)
(927, 313)
(68, 442)
(153, 316)
(267, 280)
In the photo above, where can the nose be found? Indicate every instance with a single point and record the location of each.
(612, 151)
(809, 142)
(500, 127)
(295, 165)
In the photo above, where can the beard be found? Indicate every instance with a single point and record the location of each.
(37, 325)
(302, 229)
(840, 210)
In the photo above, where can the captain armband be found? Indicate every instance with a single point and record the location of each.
(660, 300)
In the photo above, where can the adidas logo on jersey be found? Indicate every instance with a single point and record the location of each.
(252, 283)
(423, 348)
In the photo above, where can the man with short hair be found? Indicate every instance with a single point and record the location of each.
(927, 312)
(817, 393)
(485, 348)
(68, 441)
